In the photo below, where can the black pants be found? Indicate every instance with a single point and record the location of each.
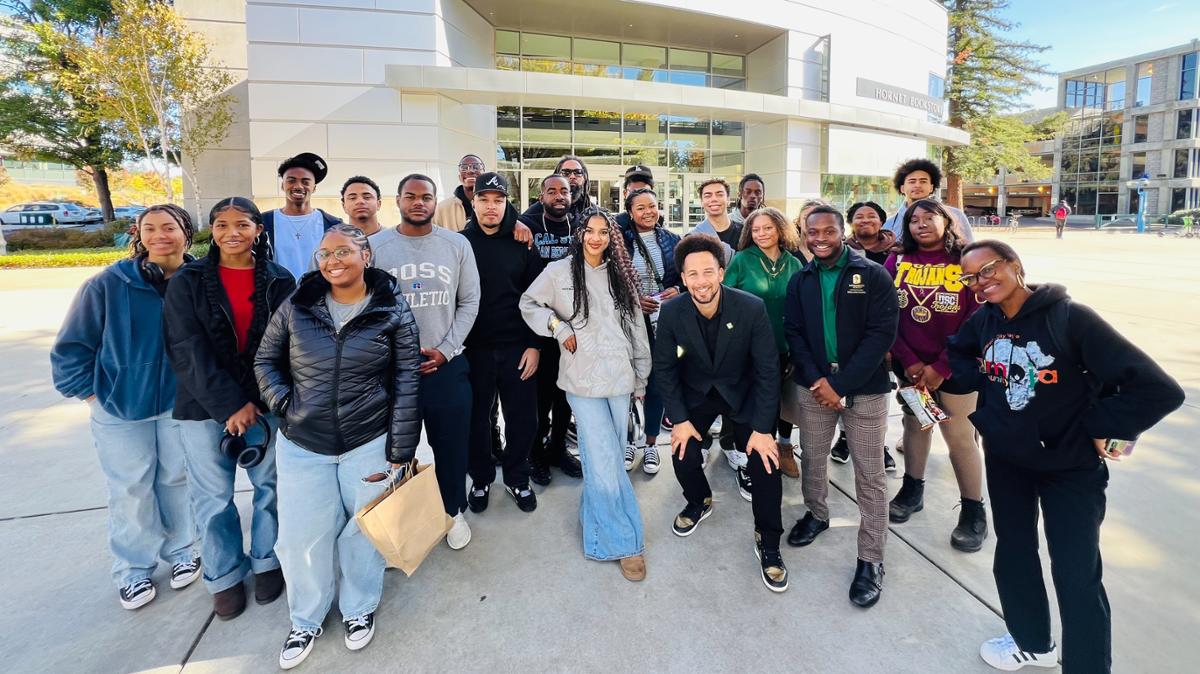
(1072, 505)
(768, 488)
(554, 414)
(445, 400)
(494, 371)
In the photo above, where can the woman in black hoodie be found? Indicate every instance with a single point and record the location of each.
(1056, 383)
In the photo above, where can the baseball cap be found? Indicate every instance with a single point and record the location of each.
(306, 160)
(640, 172)
(491, 182)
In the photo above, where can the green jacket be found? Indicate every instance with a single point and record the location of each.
(751, 270)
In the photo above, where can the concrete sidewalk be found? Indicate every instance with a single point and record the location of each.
(521, 597)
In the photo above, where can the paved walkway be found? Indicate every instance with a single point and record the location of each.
(521, 597)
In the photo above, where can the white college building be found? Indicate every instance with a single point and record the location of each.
(819, 97)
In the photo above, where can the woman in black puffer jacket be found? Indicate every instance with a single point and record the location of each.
(339, 366)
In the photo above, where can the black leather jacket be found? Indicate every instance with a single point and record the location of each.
(336, 391)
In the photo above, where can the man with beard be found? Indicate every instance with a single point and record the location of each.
(436, 272)
(454, 211)
(295, 230)
(360, 200)
(551, 227)
(751, 194)
(575, 171)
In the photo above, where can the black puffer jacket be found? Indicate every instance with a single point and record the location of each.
(336, 391)
(213, 380)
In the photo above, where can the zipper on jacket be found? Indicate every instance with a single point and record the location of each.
(337, 375)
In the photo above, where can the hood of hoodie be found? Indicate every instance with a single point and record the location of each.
(127, 271)
(507, 224)
(887, 239)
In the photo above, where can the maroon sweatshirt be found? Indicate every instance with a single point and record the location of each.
(933, 305)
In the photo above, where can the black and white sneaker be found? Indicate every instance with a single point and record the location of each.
(572, 436)
(524, 496)
(477, 498)
(743, 483)
(889, 464)
(630, 456)
(297, 646)
(774, 572)
(650, 460)
(1004, 654)
(690, 517)
(359, 631)
(137, 594)
(841, 449)
(185, 573)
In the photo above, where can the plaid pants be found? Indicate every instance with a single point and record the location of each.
(865, 421)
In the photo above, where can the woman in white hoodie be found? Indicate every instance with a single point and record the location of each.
(588, 301)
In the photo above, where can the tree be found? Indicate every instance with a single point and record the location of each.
(158, 83)
(39, 119)
(987, 73)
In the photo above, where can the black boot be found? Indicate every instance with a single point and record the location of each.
(910, 499)
(867, 584)
(972, 527)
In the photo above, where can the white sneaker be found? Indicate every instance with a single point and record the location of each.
(297, 646)
(1004, 654)
(703, 458)
(459, 534)
(630, 456)
(359, 631)
(185, 573)
(650, 460)
(137, 594)
(715, 429)
(736, 459)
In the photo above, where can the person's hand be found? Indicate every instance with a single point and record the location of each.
(914, 373)
(1114, 455)
(529, 362)
(435, 359)
(766, 448)
(825, 395)
(522, 234)
(239, 421)
(931, 379)
(649, 304)
(570, 344)
(681, 433)
(668, 294)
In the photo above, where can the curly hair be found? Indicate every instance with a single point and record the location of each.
(951, 241)
(622, 279)
(913, 165)
(789, 236)
(699, 242)
(181, 217)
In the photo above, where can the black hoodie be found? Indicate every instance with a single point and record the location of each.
(552, 239)
(506, 268)
(1041, 402)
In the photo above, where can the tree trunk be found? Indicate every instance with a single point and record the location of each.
(103, 193)
(954, 183)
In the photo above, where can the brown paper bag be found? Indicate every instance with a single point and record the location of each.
(407, 520)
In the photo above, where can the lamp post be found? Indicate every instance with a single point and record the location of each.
(1141, 213)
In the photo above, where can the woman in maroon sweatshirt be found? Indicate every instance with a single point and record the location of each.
(933, 305)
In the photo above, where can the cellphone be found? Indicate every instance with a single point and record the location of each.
(1124, 447)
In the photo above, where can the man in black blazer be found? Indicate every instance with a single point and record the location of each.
(715, 354)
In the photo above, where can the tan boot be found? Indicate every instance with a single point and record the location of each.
(633, 568)
(787, 462)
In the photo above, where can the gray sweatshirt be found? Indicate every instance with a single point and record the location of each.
(439, 279)
(612, 355)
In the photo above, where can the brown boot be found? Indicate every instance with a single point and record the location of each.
(268, 585)
(787, 461)
(229, 604)
(633, 568)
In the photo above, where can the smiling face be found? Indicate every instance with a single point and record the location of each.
(298, 186)
(417, 201)
(824, 237)
(866, 223)
(644, 212)
(556, 197)
(341, 261)
(702, 276)
(764, 232)
(715, 199)
(992, 278)
(234, 232)
(596, 238)
(916, 185)
(161, 235)
(927, 228)
(360, 202)
(469, 168)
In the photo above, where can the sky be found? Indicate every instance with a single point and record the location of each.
(1085, 32)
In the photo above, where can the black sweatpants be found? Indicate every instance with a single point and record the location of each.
(768, 488)
(494, 371)
(554, 413)
(445, 400)
(1072, 505)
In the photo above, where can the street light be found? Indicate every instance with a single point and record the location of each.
(1141, 214)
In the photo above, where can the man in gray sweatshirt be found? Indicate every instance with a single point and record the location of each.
(436, 271)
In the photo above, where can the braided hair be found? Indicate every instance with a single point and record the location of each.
(138, 249)
(622, 279)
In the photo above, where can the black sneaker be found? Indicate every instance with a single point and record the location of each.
(524, 496)
(910, 499)
(841, 449)
(539, 473)
(889, 464)
(972, 527)
(359, 631)
(137, 594)
(477, 498)
(774, 573)
(297, 646)
(743, 483)
(570, 465)
(690, 517)
(185, 573)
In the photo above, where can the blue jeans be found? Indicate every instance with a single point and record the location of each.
(210, 476)
(318, 497)
(609, 513)
(652, 404)
(149, 512)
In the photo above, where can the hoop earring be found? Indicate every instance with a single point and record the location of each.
(979, 300)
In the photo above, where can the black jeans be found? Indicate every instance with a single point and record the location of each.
(554, 413)
(494, 371)
(768, 488)
(445, 400)
(1072, 505)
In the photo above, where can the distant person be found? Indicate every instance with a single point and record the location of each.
(1056, 384)
(751, 195)
(295, 230)
(576, 172)
(1061, 212)
(110, 353)
(867, 234)
(454, 211)
(920, 179)
(714, 198)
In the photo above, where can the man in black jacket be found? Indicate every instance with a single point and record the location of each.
(714, 355)
(840, 320)
(502, 351)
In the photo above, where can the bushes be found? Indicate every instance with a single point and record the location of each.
(64, 238)
(95, 257)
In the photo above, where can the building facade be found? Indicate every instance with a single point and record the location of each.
(819, 97)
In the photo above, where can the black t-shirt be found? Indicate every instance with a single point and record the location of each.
(731, 235)
(710, 328)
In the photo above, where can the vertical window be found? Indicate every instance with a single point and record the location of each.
(1187, 77)
(1181, 164)
(1145, 72)
(1141, 128)
(1115, 82)
(1178, 199)
(1183, 127)
(937, 89)
(1138, 168)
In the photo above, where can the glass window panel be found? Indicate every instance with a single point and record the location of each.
(688, 78)
(508, 156)
(1141, 126)
(646, 74)
(728, 64)
(1086, 203)
(733, 83)
(645, 156)
(596, 70)
(508, 124)
(728, 164)
(1112, 126)
(644, 130)
(644, 56)
(1106, 203)
(542, 158)
(597, 51)
(508, 42)
(1180, 169)
(546, 66)
(594, 127)
(1183, 126)
(551, 46)
(504, 62)
(687, 160)
(690, 131)
(599, 156)
(1187, 77)
(1116, 95)
(727, 135)
(546, 125)
(1138, 165)
(685, 59)
(1114, 75)
(1178, 198)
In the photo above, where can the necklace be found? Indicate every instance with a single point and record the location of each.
(775, 269)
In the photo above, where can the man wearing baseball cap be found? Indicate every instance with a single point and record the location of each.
(636, 177)
(295, 230)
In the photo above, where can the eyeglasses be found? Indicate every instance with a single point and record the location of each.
(341, 253)
(987, 271)
(571, 172)
(475, 168)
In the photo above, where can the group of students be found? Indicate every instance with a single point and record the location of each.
(316, 370)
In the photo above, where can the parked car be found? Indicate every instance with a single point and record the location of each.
(62, 214)
(130, 212)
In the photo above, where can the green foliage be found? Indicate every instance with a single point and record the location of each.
(50, 238)
(999, 140)
(91, 257)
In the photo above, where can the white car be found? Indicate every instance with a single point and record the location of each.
(60, 214)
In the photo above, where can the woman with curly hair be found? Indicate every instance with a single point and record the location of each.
(109, 353)
(217, 311)
(589, 303)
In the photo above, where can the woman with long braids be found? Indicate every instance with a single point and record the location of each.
(110, 354)
(589, 303)
(217, 311)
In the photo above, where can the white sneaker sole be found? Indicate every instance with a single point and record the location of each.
(629, 465)
(295, 662)
(184, 581)
(838, 459)
(1006, 666)
(458, 545)
(691, 531)
(650, 468)
(360, 644)
(140, 602)
(758, 555)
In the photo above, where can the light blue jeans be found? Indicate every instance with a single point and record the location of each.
(608, 511)
(149, 512)
(210, 478)
(318, 497)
